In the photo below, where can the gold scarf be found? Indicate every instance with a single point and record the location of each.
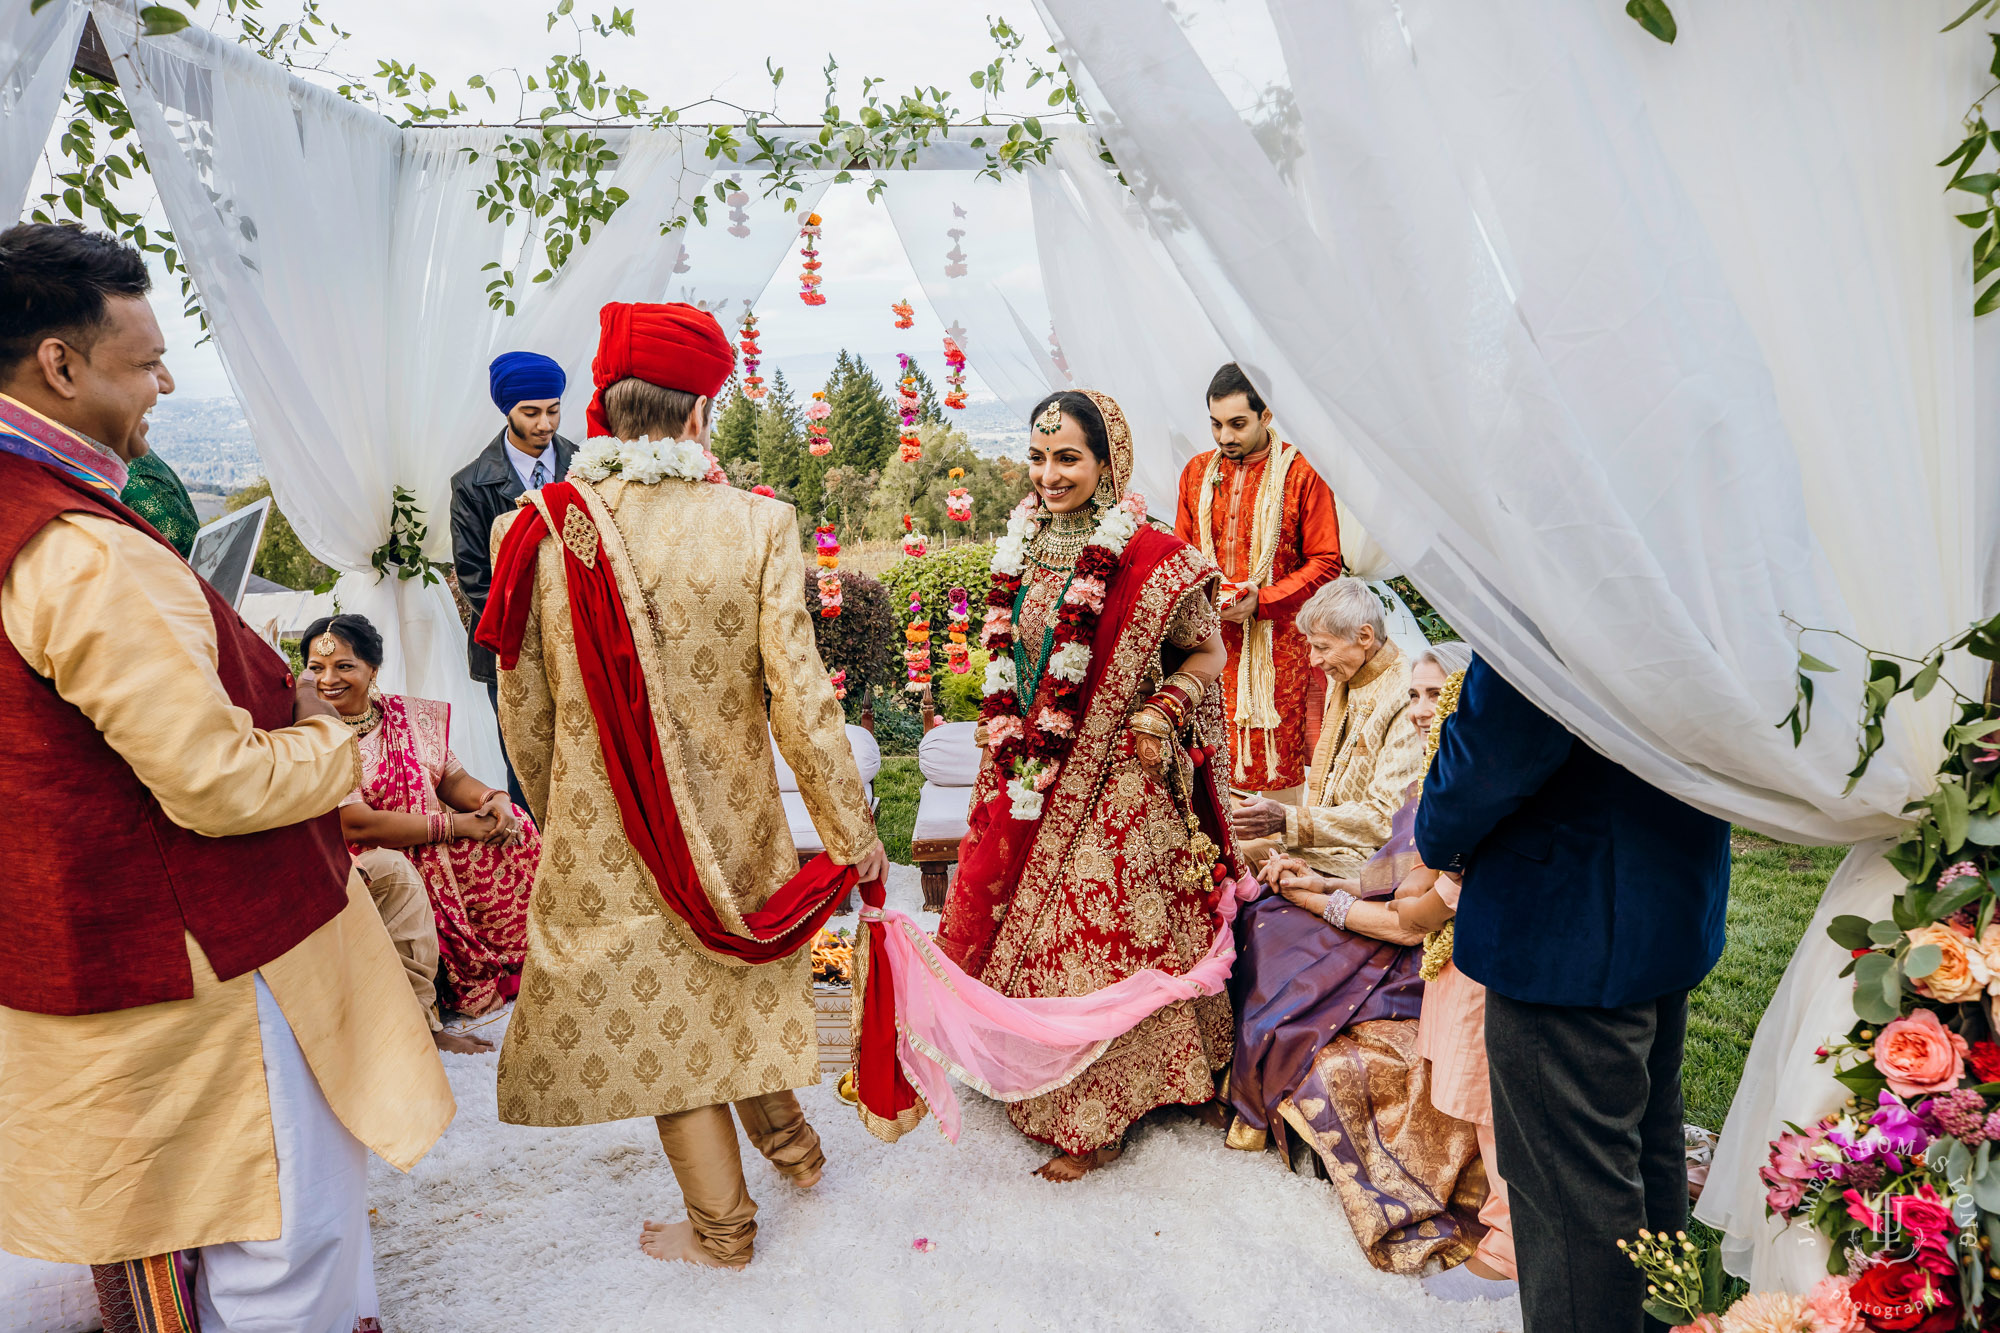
(1437, 944)
(1256, 668)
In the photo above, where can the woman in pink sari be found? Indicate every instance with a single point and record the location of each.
(475, 850)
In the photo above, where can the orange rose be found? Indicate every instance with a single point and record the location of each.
(1918, 1055)
(1963, 970)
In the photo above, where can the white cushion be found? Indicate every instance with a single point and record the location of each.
(804, 836)
(37, 1296)
(941, 812)
(947, 756)
(867, 758)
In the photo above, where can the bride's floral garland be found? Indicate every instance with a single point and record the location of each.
(646, 462)
(1030, 745)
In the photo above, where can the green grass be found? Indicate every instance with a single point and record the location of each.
(1773, 889)
(896, 787)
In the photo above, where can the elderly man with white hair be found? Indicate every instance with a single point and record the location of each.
(1364, 761)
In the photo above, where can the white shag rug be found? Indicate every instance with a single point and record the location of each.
(507, 1228)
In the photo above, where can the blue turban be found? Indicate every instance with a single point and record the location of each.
(519, 377)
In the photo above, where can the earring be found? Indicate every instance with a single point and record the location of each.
(1106, 494)
(374, 690)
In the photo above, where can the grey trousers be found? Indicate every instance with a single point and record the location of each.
(1587, 1115)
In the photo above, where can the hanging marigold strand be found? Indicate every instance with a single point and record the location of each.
(954, 377)
(917, 653)
(817, 411)
(809, 278)
(906, 315)
(746, 340)
(827, 546)
(958, 501)
(907, 401)
(959, 615)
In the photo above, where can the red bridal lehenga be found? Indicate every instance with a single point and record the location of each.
(1108, 884)
(479, 894)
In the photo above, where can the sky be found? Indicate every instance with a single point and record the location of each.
(685, 52)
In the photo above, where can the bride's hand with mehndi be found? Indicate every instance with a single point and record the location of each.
(1150, 733)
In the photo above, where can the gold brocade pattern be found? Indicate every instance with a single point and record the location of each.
(1367, 757)
(621, 1012)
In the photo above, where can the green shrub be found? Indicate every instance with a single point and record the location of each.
(898, 726)
(864, 640)
(958, 697)
(932, 578)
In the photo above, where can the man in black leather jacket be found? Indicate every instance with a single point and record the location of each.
(527, 454)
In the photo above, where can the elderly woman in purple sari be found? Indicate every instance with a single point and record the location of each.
(1327, 989)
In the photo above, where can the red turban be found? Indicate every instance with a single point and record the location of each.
(674, 346)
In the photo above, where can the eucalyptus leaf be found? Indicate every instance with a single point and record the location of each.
(1986, 1190)
(1654, 17)
(1850, 932)
(1883, 933)
(1957, 1162)
(1923, 960)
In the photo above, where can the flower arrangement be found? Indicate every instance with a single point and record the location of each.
(906, 315)
(809, 278)
(646, 462)
(917, 655)
(954, 375)
(908, 403)
(827, 547)
(817, 411)
(915, 544)
(838, 679)
(1031, 742)
(764, 491)
(746, 341)
(958, 614)
(1903, 1179)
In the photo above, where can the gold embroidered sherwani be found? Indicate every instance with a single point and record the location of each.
(1367, 757)
(621, 1012)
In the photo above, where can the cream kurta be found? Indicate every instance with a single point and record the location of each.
(145, 1130)
(1367, 757)
(621, 1012)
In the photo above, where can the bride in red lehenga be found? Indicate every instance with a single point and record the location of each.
(1095, 846)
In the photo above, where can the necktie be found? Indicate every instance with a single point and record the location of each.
(539, 477)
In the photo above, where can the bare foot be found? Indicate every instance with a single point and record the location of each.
(1214, 1114)
(1067, 1166)
(676, 1240)
(461, 1043)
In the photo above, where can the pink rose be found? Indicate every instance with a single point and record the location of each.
(1832, 1310)
(1000, 730)
(1918, 1055)
(1707, 1323)
(1087, 593)
(1926, 1219)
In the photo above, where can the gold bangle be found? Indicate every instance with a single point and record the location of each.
(1148, 722)
(1192, 685)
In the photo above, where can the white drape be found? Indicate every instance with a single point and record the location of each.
(339, 259)
(1634, 350)
(36, 50)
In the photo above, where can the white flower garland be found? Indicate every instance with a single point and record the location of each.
(646, 461)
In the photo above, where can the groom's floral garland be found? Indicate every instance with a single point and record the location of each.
(646, 462)
(1030, 745)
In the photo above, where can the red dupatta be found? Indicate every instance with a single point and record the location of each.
(615, 684)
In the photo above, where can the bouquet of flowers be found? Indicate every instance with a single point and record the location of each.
(1903, 1180)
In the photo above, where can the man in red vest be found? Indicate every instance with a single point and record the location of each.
(202, 1026)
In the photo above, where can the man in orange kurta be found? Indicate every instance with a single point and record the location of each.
(1269, 576)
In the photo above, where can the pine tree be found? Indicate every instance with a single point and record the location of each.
(735, 435)
(863, 426)
(780, 438)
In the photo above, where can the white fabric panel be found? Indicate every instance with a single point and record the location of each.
(947, 756)
(867, 758)
(942, 812)
(728, 263)
(318, 1276)
(804, 836)
(36, 50)
(37, 1296)
(1611, 407)
(986, 283)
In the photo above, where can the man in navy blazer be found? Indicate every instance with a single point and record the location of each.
(1592, 904)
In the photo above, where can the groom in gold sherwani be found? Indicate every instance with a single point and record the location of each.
(622, 1011)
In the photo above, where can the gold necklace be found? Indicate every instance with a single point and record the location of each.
(1062, 539)
(365, 723)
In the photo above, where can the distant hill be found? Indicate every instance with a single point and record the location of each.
(206, 441)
